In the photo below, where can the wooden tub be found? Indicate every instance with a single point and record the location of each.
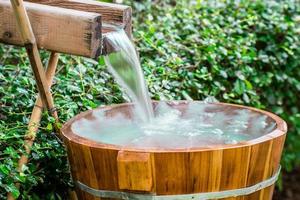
(103, 170)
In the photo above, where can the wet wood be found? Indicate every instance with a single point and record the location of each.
(56, 29)
(259, 166)
(185, 171)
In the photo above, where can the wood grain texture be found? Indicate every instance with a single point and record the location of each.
(56, 29)
(115, 14)
(23, 22)
(84, 170)
(259, 166)
(183, 171)
(209, 172)
(276, 152)
(107, 160)
(135, 171)
(235, 164)
(171, 173)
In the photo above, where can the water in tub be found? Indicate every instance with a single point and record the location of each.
(199, 124)
(165, 126)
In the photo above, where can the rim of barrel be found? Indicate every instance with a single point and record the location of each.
(281, 129)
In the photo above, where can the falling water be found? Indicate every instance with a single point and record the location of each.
(125, 66)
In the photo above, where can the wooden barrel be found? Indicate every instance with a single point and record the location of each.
(112, 171)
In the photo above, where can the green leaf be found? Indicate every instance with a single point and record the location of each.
(248, 85)
(4, 169)
(49, 127)
(239, 87)
(13, 189)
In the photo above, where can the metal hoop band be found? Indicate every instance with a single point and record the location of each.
(198, 196)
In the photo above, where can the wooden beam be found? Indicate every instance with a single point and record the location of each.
(56, 29)
(114, 14)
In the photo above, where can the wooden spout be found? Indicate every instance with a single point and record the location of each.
(66, 26)
(55, 29)
(114, 14)
(107, 47)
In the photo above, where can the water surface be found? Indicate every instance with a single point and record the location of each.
(175, 126)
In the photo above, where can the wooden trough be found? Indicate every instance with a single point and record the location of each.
(105, 170)
(75, 27)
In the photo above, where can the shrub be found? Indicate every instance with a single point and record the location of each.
(80, 84)
(245, 53)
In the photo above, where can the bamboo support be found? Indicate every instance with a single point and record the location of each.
(36, 118)
(43, 80)
(37, 111)
(23, 21)
(33, 53)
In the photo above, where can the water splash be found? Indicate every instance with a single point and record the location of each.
(125, 66)
(197, 125)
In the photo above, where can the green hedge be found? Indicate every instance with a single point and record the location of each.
(246, 53)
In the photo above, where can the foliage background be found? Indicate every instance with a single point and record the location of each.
(244, 52)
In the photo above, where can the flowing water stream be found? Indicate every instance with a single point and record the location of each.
(125, 66)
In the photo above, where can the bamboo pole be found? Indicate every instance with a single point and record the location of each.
(43, 81)
(32, 51)
(37, 112)
(36, 118)
(23, 21)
